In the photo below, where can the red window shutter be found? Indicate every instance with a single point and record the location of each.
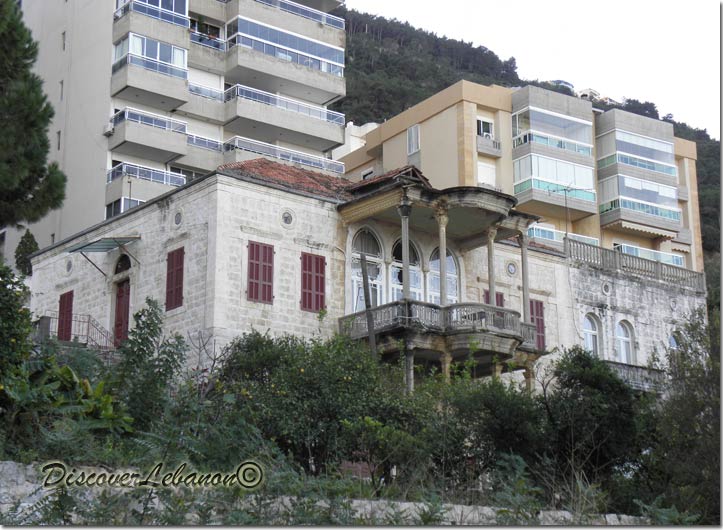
(313, 282)
(537, 313)
(499, 297)
(260, 286)
(65, 316)
(174, 279)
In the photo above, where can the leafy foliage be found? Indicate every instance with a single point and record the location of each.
(26, 246)
(29, 188)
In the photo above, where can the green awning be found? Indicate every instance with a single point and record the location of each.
(104, 244)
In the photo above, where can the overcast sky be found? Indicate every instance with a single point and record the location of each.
(651, 50)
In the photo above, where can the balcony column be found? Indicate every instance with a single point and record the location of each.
(446, 361)
(491, 234)
(409, 368)
(523, 240)
(442, 219)
(529, 376)
(405, 209)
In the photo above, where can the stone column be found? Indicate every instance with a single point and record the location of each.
(529, 376)
(404, 209)
(523, 240)
(446, 366)
(409, 369)
(442, 220)
(491, 234)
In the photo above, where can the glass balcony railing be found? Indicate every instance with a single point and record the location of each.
(204, 143)
(319, 113)
(206, 92)
(150, 64)
(208, 41)
(554, 187)
(282, 153)
(641, 207)
(146, 118)
(285, 53)
(558, 236)
(145, 173)
(655, 255)
(551, 141)
(153, 12)
(306, 12)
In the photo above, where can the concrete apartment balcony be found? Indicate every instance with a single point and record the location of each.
(322, 5)
(238, 149)
(140, 182)
(556, 238)
(685, 236)
(146, 135)
(271, 118)
(634, 217)
(293, 17)
(487, 145)
(547, 198)
(464, 329)
(148, 82)
(204, 154)
(279, 71)
(204, 103)
(143, 19)
(209, 9)
(207, 53)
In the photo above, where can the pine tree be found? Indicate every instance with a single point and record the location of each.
(29, 187)
(27, 246)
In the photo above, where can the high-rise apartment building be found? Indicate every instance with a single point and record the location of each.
(151, 93)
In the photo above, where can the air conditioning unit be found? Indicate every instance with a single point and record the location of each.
(109, 130)
(487, 135)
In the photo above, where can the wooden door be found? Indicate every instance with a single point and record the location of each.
(65, 317)
(122, 309)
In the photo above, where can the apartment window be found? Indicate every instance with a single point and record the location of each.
(313, 282)
(624, 351)
(174, 279)
(65, 316)
(187, 173)
(590, 331)
(151, 55)
(537, 315)
(62, 40)
(413, 139)
(485, 128)
(206, 29)
(260, 273)
(121, 205)
(58, 136)
(486, 174)
(61, 90)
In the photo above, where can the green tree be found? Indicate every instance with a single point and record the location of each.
(27, 246)
(29, 187)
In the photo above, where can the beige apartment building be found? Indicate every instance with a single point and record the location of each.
(149, 94)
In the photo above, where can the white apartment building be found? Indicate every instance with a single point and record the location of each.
(149, 94)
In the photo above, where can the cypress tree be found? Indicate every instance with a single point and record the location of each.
(26, 246)
(29, 187)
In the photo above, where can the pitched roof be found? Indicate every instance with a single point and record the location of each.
(404, 171)
(289, 178)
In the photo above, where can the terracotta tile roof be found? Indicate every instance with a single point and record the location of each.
(389, 175)
(290, 178)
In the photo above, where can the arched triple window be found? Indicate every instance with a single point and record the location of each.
(416, 285)
(591, 334)
(433, 285)
(366, 242)
(624, 350)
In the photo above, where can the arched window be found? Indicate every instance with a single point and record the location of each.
(396, 289)
(433, 285)
(591, 334)
(672, 342)
(123, 264)
(624, 351)
(366, 242)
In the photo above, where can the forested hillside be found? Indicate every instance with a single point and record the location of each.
(391, 66)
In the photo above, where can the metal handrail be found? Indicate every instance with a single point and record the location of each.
(154, 12)
(306, 12)
(148, 118)
(145, 173)
(282, 153)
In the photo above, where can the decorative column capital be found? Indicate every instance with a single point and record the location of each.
(523, 240)
(405, 207)
(440, 213)
(491, 233)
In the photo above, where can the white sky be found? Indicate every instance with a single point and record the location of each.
(651, 50)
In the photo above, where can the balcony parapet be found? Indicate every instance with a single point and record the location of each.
(639, 377)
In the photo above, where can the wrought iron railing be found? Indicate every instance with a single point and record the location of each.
(84, 329)
(454, 318)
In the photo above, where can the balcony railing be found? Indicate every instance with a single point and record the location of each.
(639, 377)
(145, 173)
(306, 12)
(208, 41)
(641, 207)
(558, 236)
(551, 141)
(83, 328)
(267, 98)
(464, 317)
(153, 12)
(147, 118)
(204, 143)
(612, 260)
(654, 255)
(555, 187)
(150, 64)
(488, 141)
(282, 153)
(205, 91)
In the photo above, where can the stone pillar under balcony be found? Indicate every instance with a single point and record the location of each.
(442, 220)
(446, 366)
(523, 240)
(491, 234)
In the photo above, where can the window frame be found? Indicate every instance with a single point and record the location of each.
(313, 276)
(260, 273)
(414, 142)
(175, 263)
(592, 336)
(621, 341)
